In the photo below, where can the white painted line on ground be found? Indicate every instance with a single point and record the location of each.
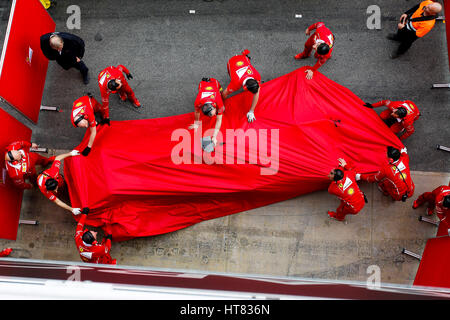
(298, 16)
(192, 11)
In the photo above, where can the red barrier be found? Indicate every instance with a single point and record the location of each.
(435, 264)
(23, 67)
(10, 197)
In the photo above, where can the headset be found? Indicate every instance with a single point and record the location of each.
(10, 155)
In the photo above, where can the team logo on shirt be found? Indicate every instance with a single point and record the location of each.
(208, 88)
(351, 191)
(78, 104)
(240, 63)
(249, 71)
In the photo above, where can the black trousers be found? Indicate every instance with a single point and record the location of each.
(406, 38)
(82, 67)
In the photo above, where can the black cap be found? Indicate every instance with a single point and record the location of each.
(51, 184)
(393, 153)
(323, 49)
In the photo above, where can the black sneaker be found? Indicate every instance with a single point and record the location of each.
(392, 36)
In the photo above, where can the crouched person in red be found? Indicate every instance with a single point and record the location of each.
(438, 200)
(399, 116)
(112, 80)
(209, 102)
(21, 163)
(51, 182)
(322, 41)
(84, 110)
(344, 186)
(86, 241)
(394, 178)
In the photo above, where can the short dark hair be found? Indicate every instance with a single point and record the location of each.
(323, 49)
(401, 112)
(51, 184)
(252, 85)
(393, 153)
(338, 174)
(88, 237)
(112, 84)
(207, 108)
(446, 201)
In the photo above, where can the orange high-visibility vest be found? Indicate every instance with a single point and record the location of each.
(421, 27)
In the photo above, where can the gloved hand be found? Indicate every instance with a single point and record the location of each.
(108, 236)
(194, 126)
(250, 116)
(106, 121)
(368, 105)
(129, 76)
(89, 95)
(86, 151)
(75, 153)
(76, 211)
(85, 210)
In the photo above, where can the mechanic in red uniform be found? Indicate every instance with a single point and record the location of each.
(209, 102)
(399, 116)
(344, 186)
(20, 163)
(50, 180)
(86, 241)
(83, 116)
(112, 80)
(322, 41)
(394, 178)
(243, 75)
(439, 201)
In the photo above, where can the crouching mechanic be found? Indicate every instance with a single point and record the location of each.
(438, 200)
(322, 41)
(394, 178)
(86, 241)
(84, 110)
(51, 182)
(399, 116)
(209, 102)
(21, 164)
(243, 75)
(112, 80)
(344, 186)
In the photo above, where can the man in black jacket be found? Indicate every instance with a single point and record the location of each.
(67, 49)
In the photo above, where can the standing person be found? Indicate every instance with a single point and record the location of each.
(112, 80)
(86, 241)
(83, 116)
(399, 116)
(243, 75)
(322, 41)
(344, 186)
(51, 182)
(21, 163)
(209, 102)
(414, 24)
(394, 177)
(67, 49)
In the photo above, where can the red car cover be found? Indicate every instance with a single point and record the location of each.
(138, 181)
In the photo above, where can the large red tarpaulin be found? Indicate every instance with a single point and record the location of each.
(11, 130)
(23, 66)
(435, 264)
(133, 183)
